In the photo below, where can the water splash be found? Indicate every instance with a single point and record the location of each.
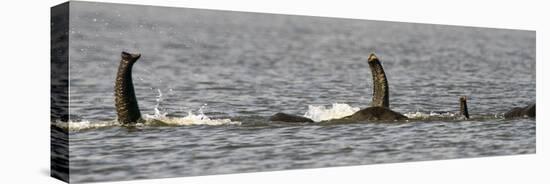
(336, 111)
(160, 117)
(191, 119)
(158, 113)
(196, 119)
(157, 119)
(74, 126)
(432, 115)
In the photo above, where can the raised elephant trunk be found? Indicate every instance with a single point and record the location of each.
(125, 98)
(380, 91)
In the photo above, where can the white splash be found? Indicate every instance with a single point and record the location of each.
(158, 114)
(322, 113)
(151, 119)
(422, 115)
(83, 125)
(198, 119)
(191, 119)
(416, 115)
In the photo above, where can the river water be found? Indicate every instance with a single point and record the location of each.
(217, 76)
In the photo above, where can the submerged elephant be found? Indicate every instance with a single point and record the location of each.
(379, 109)
(520, 112)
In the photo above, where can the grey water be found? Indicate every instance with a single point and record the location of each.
(248, 66)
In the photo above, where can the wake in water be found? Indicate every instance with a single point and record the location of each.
(73, 126)
(159, 118)
(317, 113)
(339, 110)
(191, 119)
(432, 115)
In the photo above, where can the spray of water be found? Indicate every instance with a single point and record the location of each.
(198, 118)
(191, 119)
(336, 111)
(158, 114)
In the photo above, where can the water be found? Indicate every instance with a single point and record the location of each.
(217, 76)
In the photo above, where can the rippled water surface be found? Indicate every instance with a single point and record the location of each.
(233, 70)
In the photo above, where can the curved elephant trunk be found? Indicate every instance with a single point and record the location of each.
(380, 91)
